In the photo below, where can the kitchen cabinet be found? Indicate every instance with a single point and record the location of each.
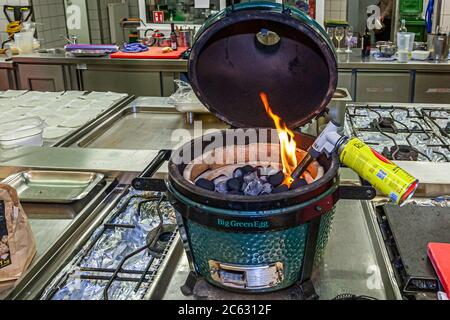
(432, 88)
(6, 82)
(128, 79)
(345, 81)
(382, 86)
(45, 77)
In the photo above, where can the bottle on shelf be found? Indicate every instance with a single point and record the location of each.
(366, 43)
(173, 37)
(403, 26)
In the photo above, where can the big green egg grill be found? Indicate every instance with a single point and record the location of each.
(270, 242)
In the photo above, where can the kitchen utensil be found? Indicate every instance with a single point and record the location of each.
(339, 35)
(53, 186)
(152, 53)
(21, 132)
(440, 47)
(24, 42)
(348, 38)
(403, 44)
(420, 46)
(163, 42)
(185, 38)
(388, 50)
(420, 55)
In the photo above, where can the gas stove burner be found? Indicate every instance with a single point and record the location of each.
(384, 123)
(401, 153)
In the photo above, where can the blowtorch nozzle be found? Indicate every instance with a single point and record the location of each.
(301, 168)
(328, 141)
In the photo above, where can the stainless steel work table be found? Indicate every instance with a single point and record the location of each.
(121, 164)
(354, 60)
(345, 61)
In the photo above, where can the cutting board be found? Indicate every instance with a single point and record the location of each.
(152, 53)
(439, 254)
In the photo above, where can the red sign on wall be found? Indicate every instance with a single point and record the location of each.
(158, 16)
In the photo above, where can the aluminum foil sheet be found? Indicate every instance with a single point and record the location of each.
(420, 128)
(105, 250)
(442, 201)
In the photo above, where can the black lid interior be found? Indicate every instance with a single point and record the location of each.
(228, 69)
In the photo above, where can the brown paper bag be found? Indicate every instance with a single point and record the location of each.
(17, 243)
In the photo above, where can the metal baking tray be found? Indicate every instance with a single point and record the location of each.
(143, 128)
(53, 186)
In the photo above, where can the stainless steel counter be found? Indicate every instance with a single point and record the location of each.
(113, 163)
(5, 64)
(355, 61)
(175, 65)
(345, 61)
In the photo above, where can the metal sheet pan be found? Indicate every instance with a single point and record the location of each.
(53, 186)
(144, 128)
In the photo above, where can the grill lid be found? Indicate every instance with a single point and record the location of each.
(255, 47)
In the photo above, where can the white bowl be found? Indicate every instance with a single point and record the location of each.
(420, 55)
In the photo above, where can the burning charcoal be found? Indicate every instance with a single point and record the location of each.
(235, 184)
(267, 171)
(247, 169)
(280, 189)
(267, 188)
(220, 179)
(238, 173)
(277, 179)
(205, 184)
(251, 177)
(298, 184)
(222, 187)
(253, 188)
(263, 179)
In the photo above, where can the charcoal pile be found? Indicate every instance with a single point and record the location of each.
(250, 181)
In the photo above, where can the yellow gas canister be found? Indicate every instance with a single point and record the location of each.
(384, 175)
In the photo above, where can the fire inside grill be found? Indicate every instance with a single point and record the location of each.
(261, 177)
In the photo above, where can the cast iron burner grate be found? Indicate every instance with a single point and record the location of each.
(402, 133)
(159, 240)
(406, 232)
(402, 153)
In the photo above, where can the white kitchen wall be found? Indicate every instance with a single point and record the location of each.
(336, 10)
(51, 18)
(445, 18)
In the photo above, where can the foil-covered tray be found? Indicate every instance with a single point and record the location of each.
(53, 186)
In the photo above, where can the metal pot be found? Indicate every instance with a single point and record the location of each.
(163, 42)
(438, 45)
(185, 38)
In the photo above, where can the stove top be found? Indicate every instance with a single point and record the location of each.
(406, 232)
(123, 255)
(402, 132)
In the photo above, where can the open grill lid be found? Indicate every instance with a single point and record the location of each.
(263, 47)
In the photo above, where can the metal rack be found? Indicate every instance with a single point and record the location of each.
(385, 122)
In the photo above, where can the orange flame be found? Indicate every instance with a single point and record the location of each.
(288, 146)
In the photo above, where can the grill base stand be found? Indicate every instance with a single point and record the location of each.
(200, 289)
